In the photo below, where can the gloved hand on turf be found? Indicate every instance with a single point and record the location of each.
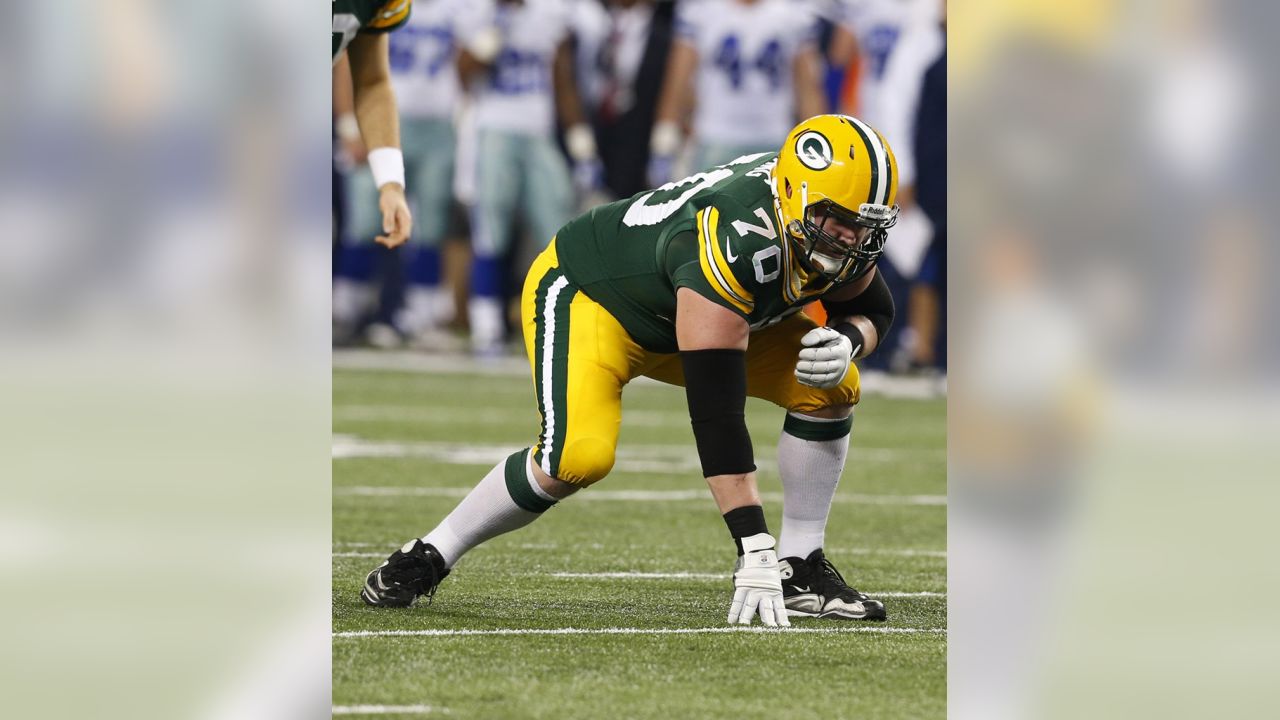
(825, 359)
(757, 584)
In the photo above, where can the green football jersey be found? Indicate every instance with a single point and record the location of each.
(369, 16)
(715, 232)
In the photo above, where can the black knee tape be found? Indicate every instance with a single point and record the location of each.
(715, 383)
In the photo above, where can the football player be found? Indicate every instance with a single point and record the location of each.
(360, 28)
(700, 283)
(425, 82)
(749, 68)
(877, 26)
(516, 64)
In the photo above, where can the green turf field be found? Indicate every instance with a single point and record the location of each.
(407, 445)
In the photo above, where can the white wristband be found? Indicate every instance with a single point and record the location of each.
(665, 140)
(387, 164)
(580, 142)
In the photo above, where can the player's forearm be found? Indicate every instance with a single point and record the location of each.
(343, 103)
(864, 335)
(469, 68)
(568, 104)
(478, 53)
(810, 99)
(864, 318)
(675, 84)
(843, 47)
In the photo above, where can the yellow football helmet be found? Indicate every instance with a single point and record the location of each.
(834, 188)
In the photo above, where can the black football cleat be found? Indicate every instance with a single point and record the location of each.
(814, 588)
(411, 572)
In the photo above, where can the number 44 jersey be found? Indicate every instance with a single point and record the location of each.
(715, 232)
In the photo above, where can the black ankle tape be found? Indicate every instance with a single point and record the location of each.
(745, 522)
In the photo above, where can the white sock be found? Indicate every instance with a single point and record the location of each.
(810, 470)
(487, 330)
(351, 299)
(426, 307)
(507, 499)
(417, 313)
(442, 309)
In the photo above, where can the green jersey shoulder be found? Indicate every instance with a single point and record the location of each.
(367, 16)
(715, 232)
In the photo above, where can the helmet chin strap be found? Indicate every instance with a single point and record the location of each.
(828, 264)
(825, 263)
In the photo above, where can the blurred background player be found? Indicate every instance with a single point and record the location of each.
(424, 76)
(874, 27)
(516, 64)
(896, 42)
(747, 70)
(360, 29)
(623, 47)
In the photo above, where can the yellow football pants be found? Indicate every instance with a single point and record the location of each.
(581, 358)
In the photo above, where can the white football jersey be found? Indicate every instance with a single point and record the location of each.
(517, 94)
(878, 25)
(422, 61)
(746, 53)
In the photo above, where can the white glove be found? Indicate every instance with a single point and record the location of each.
(757, 584)
(825, 359)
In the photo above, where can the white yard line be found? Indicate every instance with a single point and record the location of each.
(638, 631)
(709, 576)
(651, 458)
(431, 363)
(635, 495)
(888, 551)
(645, 575)
(388, 547)
(650, 576)
(389, 710)
(455, 415)
(517, 366)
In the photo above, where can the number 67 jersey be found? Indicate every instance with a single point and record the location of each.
(715, 232)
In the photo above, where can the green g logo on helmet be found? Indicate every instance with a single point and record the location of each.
(813, 150)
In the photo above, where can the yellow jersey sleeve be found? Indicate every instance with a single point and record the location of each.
(716, 268)
(390, 16)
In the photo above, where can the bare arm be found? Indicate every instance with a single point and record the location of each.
(375, 106)
(677, 83)
(344, 112)
(704, 325)
(469, 66)
(568, 103)
(374, 99)
(343, 102)
(712, 341)
(843, 48)
(478, 51)
(810, 99)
